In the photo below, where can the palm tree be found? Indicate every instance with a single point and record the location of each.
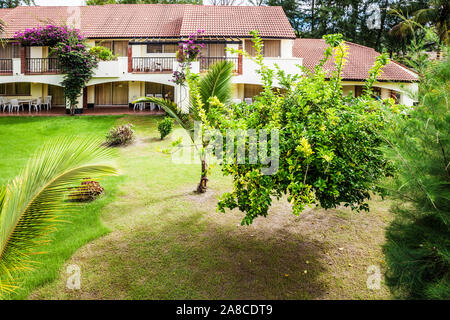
(436, 13)
(32, 203)
(215, 83)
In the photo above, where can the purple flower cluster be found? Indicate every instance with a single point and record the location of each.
(190, 49)
(178, 77)
(49, 35)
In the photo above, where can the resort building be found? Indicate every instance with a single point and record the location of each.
(145, 38)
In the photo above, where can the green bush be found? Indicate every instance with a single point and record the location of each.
(418, 240)
(120, 136)
(102, 53)
(165, 127)
(326, 151)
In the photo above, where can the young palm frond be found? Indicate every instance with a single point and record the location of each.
(34, 201)
(217, 83)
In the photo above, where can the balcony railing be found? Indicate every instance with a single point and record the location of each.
(6, 66)
(207, 62)
(153, 64)
(42, 65)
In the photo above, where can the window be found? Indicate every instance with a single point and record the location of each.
(105, 44)
(57, 94)
(272, 48)
(170, 48)
(117, 47)
(213, 50)
(16, 51)
(6, 51)
(115, 93)
(15, 89)
(162, 48)
(120, 48)
(251, 90)
(396, 96)
(154, 48)
(156, 88)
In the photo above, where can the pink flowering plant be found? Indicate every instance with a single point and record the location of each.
(188, 51)
(76, 62)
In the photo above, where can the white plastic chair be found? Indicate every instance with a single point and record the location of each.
(36, 105)
(152, 104)
(156, 65)
(248, 100)
(158, 95)
(4, 104)
(48, 102)
(14, 104)
(236, 101)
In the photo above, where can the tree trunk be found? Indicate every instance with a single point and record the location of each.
(202, 186)
(380, 31)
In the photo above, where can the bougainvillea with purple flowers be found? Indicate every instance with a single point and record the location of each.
(76, 63)
(188, 51)
(49, 35)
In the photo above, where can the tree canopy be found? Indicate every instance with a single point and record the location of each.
(15, 3)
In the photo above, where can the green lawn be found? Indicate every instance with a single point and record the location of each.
(151, 237)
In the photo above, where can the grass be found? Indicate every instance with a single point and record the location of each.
(19, 138)
(165, 242)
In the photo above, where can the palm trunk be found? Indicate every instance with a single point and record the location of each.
(202, 186)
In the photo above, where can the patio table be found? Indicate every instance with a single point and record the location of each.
(24, 102)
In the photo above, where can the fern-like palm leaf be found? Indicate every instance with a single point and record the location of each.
(36, 199)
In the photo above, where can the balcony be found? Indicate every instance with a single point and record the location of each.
(207, 62)
(250, 68)
(153, 64)
(6, 66)
(42, 66)
(111, 69)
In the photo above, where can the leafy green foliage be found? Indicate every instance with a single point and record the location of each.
(328, 142)
(102, 53)
(165, 127)
(418, 241)
(32, 203)
(15, 3)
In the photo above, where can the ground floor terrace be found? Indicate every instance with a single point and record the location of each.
(111, 97)
(116, 97)
(99, 111)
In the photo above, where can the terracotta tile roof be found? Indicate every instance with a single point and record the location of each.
(155, 20)
(238, 21)
(359, 61)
